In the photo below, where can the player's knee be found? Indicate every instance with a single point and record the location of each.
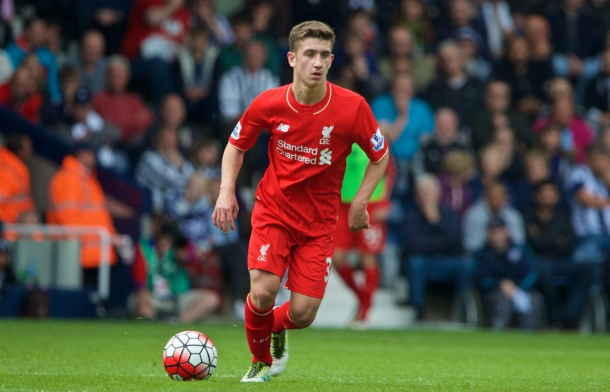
(263, 297)
(303, 317)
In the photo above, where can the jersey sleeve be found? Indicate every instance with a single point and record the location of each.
(368, 134)
(248, 128)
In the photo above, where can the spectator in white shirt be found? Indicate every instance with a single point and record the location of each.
(494, 204)
(499, 24)
(164, 170)
(588, 187)
(240, 85)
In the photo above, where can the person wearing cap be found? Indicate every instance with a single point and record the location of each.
(15, 195)
(88, 126)
(471, 43)
(507, 273)
(76, 198)
(7, 275)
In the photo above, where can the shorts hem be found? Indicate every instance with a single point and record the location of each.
(266, 270)
(302, 292)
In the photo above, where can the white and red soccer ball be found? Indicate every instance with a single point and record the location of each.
(190, 355)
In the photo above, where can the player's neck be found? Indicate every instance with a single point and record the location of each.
(306, 95)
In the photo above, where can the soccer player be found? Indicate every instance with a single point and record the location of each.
(313, 125)
(369, 243)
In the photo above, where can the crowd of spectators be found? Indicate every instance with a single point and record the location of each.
(497, 112)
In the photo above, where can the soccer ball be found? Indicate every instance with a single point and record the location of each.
(189, 355)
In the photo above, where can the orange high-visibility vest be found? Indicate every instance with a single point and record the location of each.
(15, 197)
(76, 198)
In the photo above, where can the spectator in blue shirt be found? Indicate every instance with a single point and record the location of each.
(507, 273)
(404, 120)
(403, 117)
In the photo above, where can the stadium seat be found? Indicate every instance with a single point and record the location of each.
(468, 309)
(595, 315)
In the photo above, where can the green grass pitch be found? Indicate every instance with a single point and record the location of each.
(126, 356)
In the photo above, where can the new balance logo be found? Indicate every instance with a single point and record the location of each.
(263, 256)
(326, 135)
(325, 156)
(283, 127)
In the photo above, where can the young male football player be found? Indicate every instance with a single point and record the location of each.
(313, 125)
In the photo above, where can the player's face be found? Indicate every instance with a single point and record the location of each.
(311, 61)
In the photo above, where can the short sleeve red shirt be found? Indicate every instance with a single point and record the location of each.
(307, 151)
(173, 28)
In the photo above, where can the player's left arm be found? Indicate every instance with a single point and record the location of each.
(358, 217)
(372, 141)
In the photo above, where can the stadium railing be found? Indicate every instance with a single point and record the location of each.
(48, 267)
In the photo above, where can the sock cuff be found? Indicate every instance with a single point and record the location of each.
(256, 310)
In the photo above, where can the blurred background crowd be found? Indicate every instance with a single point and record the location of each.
(497, 112)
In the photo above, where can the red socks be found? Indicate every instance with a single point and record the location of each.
(364, 294)
(370, 286)
(347, 273)
(283, 320)
(258, 331)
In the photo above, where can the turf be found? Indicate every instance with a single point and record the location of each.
(126, 356)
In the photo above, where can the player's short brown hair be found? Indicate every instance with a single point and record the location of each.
(310, 29)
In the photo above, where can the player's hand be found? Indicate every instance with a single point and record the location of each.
(357, 218)
(225, 211)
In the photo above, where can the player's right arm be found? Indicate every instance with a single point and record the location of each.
(227, 208)
(242, 138)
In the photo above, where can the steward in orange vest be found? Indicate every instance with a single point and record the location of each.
(15, 197)
(76, 198)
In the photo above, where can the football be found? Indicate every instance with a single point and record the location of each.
(190, 355)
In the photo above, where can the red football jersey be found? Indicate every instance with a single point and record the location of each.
(307, 151)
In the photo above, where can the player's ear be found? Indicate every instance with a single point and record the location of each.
(291, 59)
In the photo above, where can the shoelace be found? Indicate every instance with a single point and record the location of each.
(279, 343)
